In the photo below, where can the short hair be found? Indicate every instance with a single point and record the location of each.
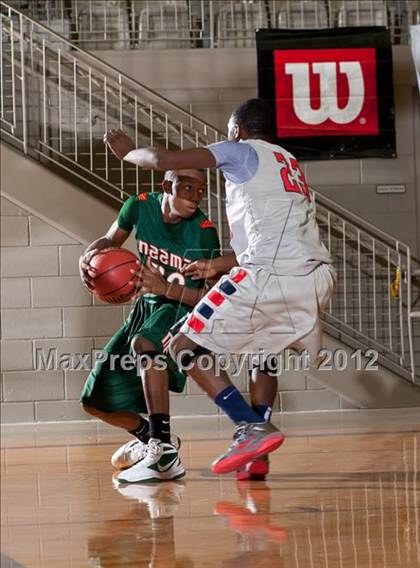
(257, 117)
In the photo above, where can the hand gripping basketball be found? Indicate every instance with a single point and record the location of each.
(87, 272)
(107, 274)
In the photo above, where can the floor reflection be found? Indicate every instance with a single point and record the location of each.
(331, 502)
(375, 525)
(252, 519)
(145, 535)
(257, 534)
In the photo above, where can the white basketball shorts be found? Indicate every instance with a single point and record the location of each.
(251, 310)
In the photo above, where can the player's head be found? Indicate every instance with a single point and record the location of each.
(254, 118)
(184, 191)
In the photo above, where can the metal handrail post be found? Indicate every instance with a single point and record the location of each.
(23, 88)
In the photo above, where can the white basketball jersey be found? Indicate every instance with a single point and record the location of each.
(272, 216)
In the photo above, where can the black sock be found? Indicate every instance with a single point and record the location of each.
(142, 430)
(160, 427)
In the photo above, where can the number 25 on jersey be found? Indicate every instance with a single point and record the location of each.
(292, 176)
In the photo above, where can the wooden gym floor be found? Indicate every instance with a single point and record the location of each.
(343, 493)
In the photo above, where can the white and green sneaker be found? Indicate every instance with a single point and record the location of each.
(161, 462)
(129, 454)
(134, 451)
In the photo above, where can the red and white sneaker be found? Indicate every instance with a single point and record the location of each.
(251, 440)
(255, 470)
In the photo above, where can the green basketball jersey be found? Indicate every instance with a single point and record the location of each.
(171, 246)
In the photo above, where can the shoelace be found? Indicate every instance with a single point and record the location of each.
(136, 449)
(240, 432)
(152, 449)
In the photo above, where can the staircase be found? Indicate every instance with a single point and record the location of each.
(57, 101)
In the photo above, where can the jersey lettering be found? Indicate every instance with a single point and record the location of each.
(153, 252)
(162, 256)
(292, 176)
(172, 277)
(176, 277)
(175, 261)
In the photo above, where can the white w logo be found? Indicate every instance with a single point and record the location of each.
(328, 91)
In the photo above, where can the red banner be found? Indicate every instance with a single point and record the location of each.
(333, 95)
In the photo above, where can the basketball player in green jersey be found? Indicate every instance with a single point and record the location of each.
(171, 232)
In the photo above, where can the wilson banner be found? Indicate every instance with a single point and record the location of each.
(332, 89)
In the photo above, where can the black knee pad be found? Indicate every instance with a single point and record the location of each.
(185, 359)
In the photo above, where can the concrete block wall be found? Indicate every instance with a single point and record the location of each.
(298, 392)
(40, 290)
(45, 306)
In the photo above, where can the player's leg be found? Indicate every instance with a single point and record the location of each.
(161, 461)
(253, 436)
(263, 388)
(114, 395)
(263, 391)
(130, 421)
(155, 383)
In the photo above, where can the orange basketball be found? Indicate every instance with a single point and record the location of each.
(112, 276)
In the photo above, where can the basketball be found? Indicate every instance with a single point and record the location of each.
(113, 274)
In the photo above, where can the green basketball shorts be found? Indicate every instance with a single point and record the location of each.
(112, 389)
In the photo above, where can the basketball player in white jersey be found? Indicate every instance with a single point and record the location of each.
(281, 276)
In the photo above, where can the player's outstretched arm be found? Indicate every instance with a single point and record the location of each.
(123, 148)
(115, 237)
(164, 160)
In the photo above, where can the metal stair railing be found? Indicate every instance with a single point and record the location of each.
(74, 98)
(56, 103)
(378, 287)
